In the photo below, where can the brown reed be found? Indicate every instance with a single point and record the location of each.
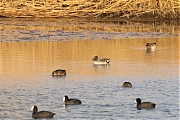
(160, 9)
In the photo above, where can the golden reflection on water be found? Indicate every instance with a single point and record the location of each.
(19, 58)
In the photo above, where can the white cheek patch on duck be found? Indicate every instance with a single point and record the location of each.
(107, 61)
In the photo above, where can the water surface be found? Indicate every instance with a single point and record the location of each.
(31, 49)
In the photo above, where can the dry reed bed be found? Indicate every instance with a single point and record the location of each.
(91, 8)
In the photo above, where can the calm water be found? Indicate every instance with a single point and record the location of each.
(31, 49)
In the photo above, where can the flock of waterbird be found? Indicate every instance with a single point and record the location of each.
(67, 101)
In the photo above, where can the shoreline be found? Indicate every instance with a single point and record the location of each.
(116, 18)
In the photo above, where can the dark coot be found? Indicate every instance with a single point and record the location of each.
(144, 105)
(59, 72)
(41, 114)
(68, 101)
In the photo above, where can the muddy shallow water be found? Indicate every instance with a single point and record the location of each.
(32, 48)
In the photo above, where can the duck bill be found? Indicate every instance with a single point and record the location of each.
(63, 99)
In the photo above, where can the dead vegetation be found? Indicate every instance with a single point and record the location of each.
(163, 9)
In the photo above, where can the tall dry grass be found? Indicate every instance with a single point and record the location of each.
(165, 9)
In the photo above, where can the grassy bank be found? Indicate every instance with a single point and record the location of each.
(159, 9)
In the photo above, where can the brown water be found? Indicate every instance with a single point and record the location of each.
(31, 49)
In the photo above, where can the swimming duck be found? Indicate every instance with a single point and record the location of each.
(151, 46)
(127, 84)
(41, 114)
(59, 72)
(144, 105)
(68, 101)
(101, 60)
